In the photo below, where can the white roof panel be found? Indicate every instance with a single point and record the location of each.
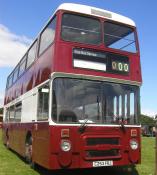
(84, 9)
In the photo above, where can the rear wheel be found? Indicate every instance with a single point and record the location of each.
(7, 144)
(7, 140)
(28, 152)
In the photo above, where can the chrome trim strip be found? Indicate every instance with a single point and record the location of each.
(51, 123)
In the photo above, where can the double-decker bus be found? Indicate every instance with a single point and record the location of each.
(73, 100)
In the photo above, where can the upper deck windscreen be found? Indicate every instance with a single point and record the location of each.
(120, 37)
(81, 29)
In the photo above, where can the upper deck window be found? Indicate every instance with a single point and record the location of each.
(47, 36)
(120, 37)
(10, 80)
(22, 65)
(31, 54)
(81, 29)
(16, 74)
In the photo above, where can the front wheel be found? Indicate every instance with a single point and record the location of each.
(129, 169)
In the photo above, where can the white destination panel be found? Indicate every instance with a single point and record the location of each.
(89, 65)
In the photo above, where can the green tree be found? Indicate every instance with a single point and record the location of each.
(147, 120)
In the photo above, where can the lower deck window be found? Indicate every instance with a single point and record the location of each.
(11, 113)
(18, 108)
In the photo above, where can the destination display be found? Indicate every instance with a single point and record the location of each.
(100, 61)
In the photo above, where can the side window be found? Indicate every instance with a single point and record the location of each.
(31, 54)
(43, 103)
(18, 108)
(16, 74)
(7, 86)
(7, 115)
(47, 36)
(22, 65)
(11, 112)
(10, 80)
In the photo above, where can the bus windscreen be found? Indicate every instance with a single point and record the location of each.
(75, 101)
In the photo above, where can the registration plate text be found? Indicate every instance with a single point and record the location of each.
(102, 163)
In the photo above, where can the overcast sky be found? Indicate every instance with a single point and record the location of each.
(20, 22)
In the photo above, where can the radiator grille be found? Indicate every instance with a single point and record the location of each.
(102, 141)
(104, 153)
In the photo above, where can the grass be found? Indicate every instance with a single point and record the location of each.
(11, 164)
(147, 166)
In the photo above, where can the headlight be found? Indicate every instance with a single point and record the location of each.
(133, 144)
(65, 145)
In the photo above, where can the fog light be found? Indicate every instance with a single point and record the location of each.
(65, 145)
(133, 144)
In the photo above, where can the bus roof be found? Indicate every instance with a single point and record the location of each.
(96, 12)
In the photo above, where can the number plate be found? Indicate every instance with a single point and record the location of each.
(103, 163)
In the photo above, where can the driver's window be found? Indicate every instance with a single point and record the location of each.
(43, 103)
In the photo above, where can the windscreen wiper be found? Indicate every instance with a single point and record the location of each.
(122, 124)
(83, 126)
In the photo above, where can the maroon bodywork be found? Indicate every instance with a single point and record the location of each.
(46, 138)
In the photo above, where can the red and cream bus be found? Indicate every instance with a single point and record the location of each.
(73, 100)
